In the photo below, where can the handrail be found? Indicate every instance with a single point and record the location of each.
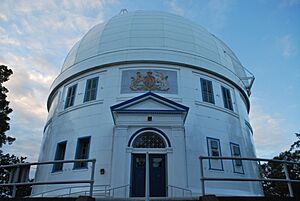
(119, 187)
(47, 162)
(107, 191)
(180, 188)
(18, 167)
(69, 188)
(284, 162)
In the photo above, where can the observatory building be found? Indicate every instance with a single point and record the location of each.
(149, 89)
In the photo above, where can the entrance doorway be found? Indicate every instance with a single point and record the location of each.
(157, 175)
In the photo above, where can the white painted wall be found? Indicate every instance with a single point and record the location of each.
(109, 142)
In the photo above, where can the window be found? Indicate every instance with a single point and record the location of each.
(207, 91)
(71, 96)
(214, 145)
(149, 140)
(235, 152)
(91, 89)
(59, 155)
(214, 149)
(82, 152)
(227, 98)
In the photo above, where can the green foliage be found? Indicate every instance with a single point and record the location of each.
(276, 170)
(7, 159)
(297, 143)
(4, 107)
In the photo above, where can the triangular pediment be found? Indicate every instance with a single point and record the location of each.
(149, 103)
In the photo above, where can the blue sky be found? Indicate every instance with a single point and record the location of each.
(36, 35)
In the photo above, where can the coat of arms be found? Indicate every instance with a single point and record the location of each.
(149, 81)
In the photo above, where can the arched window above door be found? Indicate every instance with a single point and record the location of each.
(149, 140)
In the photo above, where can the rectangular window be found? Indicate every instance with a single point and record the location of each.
(235, 152)
(214, 149)
(91, 89)
(71, 96)
(207, 91)
(227, 98)
(82, 152)
(59, 155)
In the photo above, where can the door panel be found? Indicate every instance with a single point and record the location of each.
(138, 172)
(157, 177)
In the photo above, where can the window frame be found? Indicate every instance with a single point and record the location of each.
(237, 168)
(209, 150)
(90, 93)
(71, 95)
(140, 143)
(208, 91)
(58, 167)
(227, 98)
(78, 155)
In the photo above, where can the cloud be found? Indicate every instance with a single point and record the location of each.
(270, 135)
(3, 17)
(213, 14)
(175, 8)
(287, 45)
(289, 3)
(28, 90)
(5, 40)
(35, 38)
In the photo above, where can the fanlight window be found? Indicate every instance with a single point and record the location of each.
(149, 140)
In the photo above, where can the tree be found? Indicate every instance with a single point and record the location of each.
(5, 110)
(276, 170)
(296, 144)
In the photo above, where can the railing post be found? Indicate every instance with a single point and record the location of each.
(287, 177)
(16, 176)
(202, 175)
(92, 178)
(129, 190)
(147, 190)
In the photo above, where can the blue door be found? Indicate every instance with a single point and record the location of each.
(157, 175)
(138, 172)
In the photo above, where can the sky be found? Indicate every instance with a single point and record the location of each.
(36, 35)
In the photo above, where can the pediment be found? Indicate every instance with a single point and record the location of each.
(149, 103)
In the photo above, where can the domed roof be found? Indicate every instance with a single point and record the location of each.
(153, 37)
(149, 31)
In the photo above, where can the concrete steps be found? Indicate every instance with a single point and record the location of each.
(214, 198)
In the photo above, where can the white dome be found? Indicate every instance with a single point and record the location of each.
(150, 31)
(153, 37)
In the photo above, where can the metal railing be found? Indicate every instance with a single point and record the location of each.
(98, 191)
(126, 193)
(102, 189)
(184, 191)
(287, 179)
(16, 170)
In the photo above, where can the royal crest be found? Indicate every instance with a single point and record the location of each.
(150, 81)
